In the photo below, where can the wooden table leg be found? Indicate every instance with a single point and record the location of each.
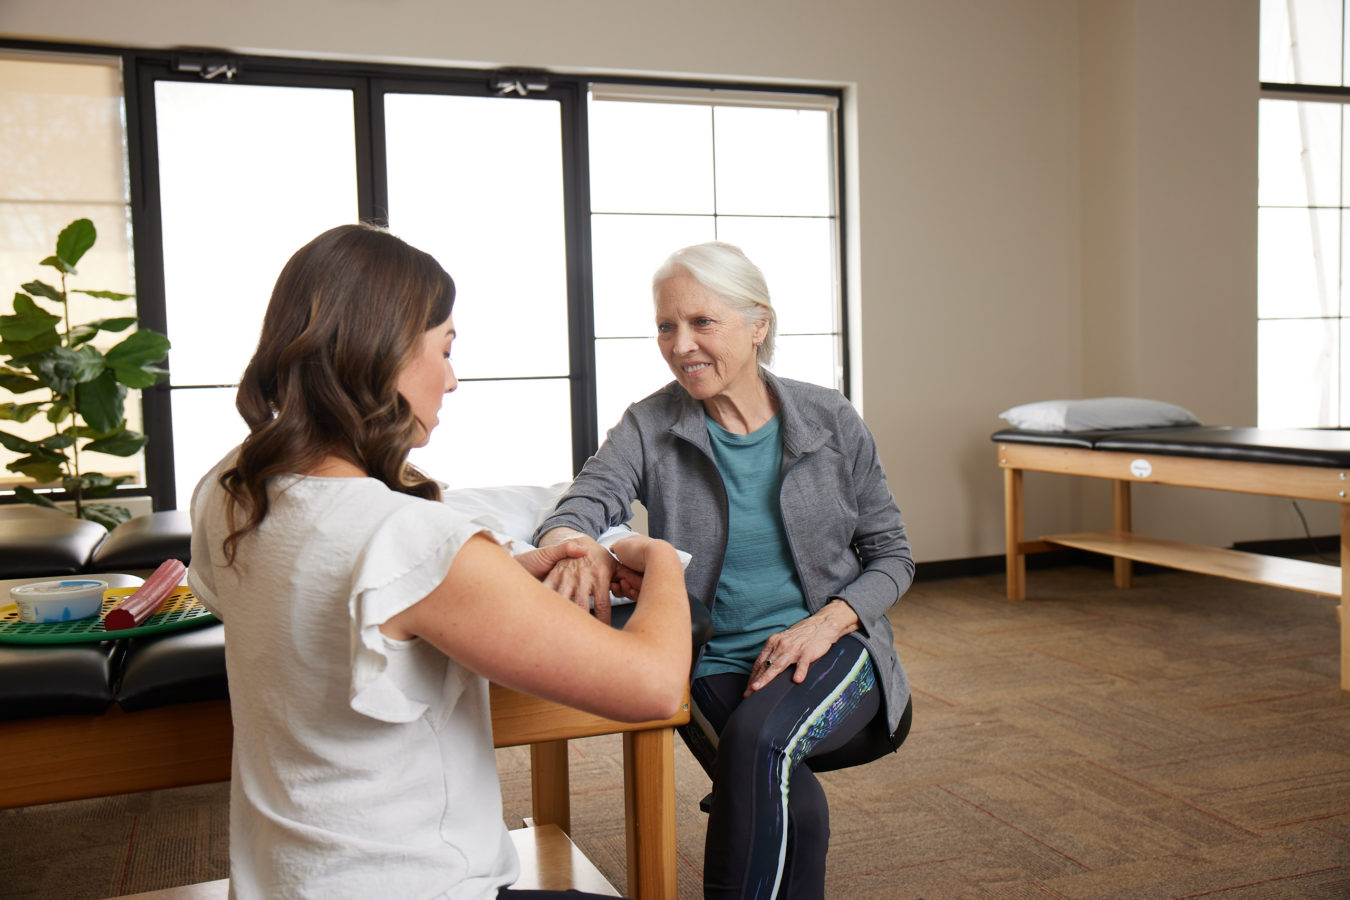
(1122, 520)
(649, 811)
(1012, 523)
(550, 796)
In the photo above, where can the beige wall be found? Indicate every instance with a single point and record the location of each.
(1047, 198)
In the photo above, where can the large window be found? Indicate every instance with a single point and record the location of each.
(671, 168)
(1303, 325)
(550, 199)
(63, 157)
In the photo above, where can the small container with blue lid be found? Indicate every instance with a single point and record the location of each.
(59, 601)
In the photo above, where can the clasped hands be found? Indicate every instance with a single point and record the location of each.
(587, 572)
(579, 568)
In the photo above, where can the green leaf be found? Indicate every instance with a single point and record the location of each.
(99, 402)
(132, 360)
(120, 323)
(25, 353)
(94, 484)
(63, 369)
(80, 334)
(74, 240)
(20, 412)
(41, 289)
(29, 321)
(122, 443)
(84, 431)
(17, 444)
(106, 514)
(58, 412)
(17, 382)
(28, 495)
(104, 295)
(56, 441)
(42, 469)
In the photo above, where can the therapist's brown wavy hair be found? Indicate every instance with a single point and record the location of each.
(345, 318)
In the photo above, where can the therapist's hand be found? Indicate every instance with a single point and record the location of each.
(581, 578)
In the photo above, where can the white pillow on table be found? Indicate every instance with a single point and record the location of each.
(1097, 414)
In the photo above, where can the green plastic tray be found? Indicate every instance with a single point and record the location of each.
(181, 611)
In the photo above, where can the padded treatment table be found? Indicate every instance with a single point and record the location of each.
(1302, 464)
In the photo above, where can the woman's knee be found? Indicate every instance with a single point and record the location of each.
(750, 734)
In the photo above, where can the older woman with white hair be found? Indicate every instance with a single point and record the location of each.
(776, 489)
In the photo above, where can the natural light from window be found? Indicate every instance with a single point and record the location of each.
(1303, 325)
(672, 168)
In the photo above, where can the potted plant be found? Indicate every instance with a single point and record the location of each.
(86, 388)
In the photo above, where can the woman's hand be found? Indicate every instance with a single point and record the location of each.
(540, 561)
(627, 583)
(585, 577)
(802, 644)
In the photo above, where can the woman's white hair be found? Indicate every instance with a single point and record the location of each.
(725, 270)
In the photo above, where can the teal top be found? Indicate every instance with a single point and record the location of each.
(758, 592)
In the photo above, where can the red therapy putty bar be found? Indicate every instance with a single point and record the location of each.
(148, 597)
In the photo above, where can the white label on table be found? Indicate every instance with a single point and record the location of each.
(1141, 468)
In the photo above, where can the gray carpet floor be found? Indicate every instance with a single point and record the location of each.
(1187, 738)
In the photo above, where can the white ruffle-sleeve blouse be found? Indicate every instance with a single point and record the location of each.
(363, 766)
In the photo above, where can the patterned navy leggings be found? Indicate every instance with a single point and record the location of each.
(769, 825)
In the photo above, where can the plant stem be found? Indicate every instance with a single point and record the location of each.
(74, 465)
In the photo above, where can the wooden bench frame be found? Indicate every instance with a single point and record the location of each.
(59, 758)
(1300, 482)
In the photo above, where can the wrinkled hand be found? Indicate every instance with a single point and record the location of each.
(801, 645)
(582, 577)
(540, 562)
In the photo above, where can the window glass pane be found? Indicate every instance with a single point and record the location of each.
(501, 432)
(1300, 153)
(1344, 381)
(1298, 364)
(651, 157)
(63, 158)
(1298, 262)
(235, 210)
(477, 182)
(813, 358)
(774, 161)
(205, 426)
(626, 370)
(62, 123)
(625, 252)
(1301, 41)
(797, 257)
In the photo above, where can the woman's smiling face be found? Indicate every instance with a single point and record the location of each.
(708, 345)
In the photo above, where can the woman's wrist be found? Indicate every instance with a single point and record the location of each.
(839, 615)
(562, 533)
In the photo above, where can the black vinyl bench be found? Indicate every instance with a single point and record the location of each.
(94, 718)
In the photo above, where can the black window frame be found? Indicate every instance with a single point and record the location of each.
(369, 83)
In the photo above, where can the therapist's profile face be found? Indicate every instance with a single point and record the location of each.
(428, 377)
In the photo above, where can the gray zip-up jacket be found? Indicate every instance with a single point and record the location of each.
(843, 526)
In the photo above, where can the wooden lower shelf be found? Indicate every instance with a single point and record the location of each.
(1294, 574)
(548, 861)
